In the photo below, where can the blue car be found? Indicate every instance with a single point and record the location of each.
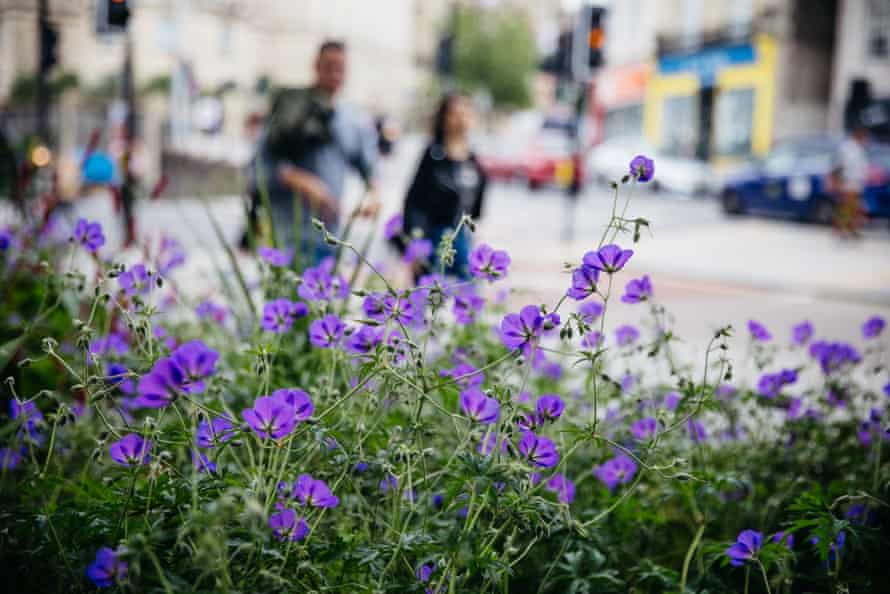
(793, 181)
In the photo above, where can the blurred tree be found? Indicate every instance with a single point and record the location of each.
(494, 50)
(24, 87)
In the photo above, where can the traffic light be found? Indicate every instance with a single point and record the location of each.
(596, 36)
(112, 16)
(118, 13)
(49, 44)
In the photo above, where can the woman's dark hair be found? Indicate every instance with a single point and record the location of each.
(442, 113)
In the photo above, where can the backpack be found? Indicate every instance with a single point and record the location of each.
(299, 121)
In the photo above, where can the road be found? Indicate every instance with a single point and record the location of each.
(708, 269)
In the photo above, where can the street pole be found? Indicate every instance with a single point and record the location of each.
(42, 72)
(127, 191)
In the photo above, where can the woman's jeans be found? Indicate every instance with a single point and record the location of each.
(462, 245)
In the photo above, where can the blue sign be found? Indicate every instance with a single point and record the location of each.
(706, 63)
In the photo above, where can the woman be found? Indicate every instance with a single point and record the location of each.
(449, 182)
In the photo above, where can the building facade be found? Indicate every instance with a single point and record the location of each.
(730, 78)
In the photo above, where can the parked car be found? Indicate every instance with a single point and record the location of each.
(549, 155)
(793, 181)
(609, 160)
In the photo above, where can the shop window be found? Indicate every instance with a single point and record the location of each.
(878, 23)
(734, 122)
(680, 126)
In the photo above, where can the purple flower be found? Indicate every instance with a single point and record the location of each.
(787, 537)
(374, 307)
(424, 572)
(873, 327)
(834, 356)
(593, 340)
(27, 414)
(489, 263)
(107, 570)
(297, 399)
(135, 281)
(549, 407)
(697, 432)
(209, 310)
(400, 309)
(626, 335)
(172, 256)
(563, 487)
(217, 431)
(270, 417)
(197, 362)
(10, 458)
(464, 369)
(489, 442)
(642, 168)
(364, 340)
(609, 258)
(417, 250)
(314, 492)
(771, 384)
(802, 333)
(672, 400)
(286, 525)
(637, 290)
(619, 470)
(871, 429)
(393, 226)
(275, 257)
(279, 315)
(131, 450)
(590, 311)
(467, 304)
(160, 386)
(202, 462)
(519, 331)
(114, 344)
(479, 407)
(644, 429)
(758, 331)
(725, 390)
(746, 547)
(6, 239)
(389, 483)
(584, 279)
(326, 332)
(319, 285)
(89, 235)
(538, 450)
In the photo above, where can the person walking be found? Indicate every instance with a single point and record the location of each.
(449, 183)
(310, 142)
(852, 174)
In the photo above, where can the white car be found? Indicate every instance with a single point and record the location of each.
(609, 161)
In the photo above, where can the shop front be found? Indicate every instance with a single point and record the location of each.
(715, 103)
(618, 100)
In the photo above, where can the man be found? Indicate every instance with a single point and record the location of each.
(310, 142)
(853, 173)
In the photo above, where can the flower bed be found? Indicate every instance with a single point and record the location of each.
(326, 431)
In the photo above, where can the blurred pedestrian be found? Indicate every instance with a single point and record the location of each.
(449, 183)
(310, 142)
(852, 172)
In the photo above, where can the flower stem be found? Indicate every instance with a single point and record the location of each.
(689, 554)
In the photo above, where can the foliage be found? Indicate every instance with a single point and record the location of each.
(320, 430)
(496, 53)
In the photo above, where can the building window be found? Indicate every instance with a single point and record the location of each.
(878, 23)
(734, 119)
(680, 125)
